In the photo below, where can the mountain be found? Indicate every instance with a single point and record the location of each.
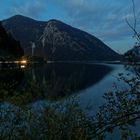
(56, 40)
(133, 54)
(9, 47)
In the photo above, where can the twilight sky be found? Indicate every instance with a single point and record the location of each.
(104, 19)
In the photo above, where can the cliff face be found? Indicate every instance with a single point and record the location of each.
(9, 47)
(56, 40)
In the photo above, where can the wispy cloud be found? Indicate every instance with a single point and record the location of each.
(104, 18)
(32, 8)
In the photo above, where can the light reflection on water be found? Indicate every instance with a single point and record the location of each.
(87, 82)
(56, 80)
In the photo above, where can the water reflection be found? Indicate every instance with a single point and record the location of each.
(55, 80)
(10, 79)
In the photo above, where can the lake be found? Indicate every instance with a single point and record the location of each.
(61, 80)
(58, 81)
(40, 85)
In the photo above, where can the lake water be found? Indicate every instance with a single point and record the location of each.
(40, 85)
(57, 81)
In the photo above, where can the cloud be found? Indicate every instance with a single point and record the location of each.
(104, 18)
(33, 8)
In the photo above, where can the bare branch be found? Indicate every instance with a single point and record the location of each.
(136, 34)
(134, 14)
(133, 26)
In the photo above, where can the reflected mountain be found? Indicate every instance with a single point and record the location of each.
(58, 80)
(10, 79)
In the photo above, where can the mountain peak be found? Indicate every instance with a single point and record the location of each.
(53, 22)
(56, 22)
(20, 18)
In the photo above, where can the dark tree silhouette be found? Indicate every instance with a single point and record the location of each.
(8, 45)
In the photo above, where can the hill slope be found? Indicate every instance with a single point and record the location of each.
(133, 54)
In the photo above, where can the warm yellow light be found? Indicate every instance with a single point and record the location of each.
(23, 61)
(22, 66)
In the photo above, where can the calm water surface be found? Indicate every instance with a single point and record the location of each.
(57, 81)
